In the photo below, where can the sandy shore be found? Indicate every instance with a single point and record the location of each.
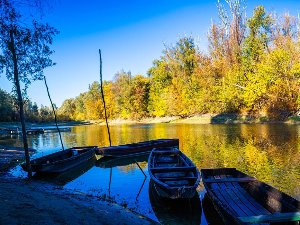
(23, 202)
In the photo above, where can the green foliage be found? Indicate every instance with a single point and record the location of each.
(7, 112)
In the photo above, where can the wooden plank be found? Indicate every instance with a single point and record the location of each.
(161, 152)
(252, 205)
(222, 185)
(241, 203)
(247, 179)
(273, 218)
(235, 184)
(251, 200)
(214, 185)
(228, 184)
(230, 202)
(173, 169)
(177, 178)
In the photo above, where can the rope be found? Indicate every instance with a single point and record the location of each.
(62, 145)
(103, 97)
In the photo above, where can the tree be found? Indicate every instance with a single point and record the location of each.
(25, 53)
(6, 107)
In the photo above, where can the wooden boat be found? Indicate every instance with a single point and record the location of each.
(62, 160)
(242, 199)
(66, 176)
(135, 148)
(183, 211)
(173, 173)
(110, 162)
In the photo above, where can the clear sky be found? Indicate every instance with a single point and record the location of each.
(130, 34)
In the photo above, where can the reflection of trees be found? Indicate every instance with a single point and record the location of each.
(132, 168)
(256, 150)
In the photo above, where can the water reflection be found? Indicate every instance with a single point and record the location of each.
(175, 211)
(270, 152)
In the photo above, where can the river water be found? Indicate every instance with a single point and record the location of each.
(270, 152)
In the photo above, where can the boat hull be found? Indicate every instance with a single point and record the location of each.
(174, 175)
(136, 148)
(61, 161)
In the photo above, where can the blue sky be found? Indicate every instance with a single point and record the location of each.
(130, 34)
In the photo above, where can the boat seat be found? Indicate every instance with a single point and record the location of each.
(177, 178)
(164, 152)
(173, 169)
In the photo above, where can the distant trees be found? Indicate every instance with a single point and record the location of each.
(34, 114)
(7, 108)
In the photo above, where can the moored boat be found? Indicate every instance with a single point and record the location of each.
(110, 162)
(242, 199)
(135, 148)
(62, 160)
(173, 173)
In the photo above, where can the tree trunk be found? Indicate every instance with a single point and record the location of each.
(20, 100)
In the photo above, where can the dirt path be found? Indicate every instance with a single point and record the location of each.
(23, 202)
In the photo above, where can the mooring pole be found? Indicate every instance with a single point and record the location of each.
(103, 97)
(140, 168)
(62, 145)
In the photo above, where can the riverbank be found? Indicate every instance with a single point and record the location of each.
(206, 119)
(223, 118)
(23, 202)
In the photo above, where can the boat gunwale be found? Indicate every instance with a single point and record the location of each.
(135, 148)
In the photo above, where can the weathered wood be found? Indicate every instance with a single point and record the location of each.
(273, 218)
(177, 178)
(248, 200)
(173, 169)
(225, 180)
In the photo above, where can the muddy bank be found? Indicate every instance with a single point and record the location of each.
(23, 202)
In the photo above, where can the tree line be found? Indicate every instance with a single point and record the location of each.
(9, 110)
(252, 67)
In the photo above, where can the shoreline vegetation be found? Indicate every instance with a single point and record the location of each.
(199, 119)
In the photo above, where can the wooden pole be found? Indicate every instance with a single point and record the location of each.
(103, 97)
(62, 145)
(140, 168)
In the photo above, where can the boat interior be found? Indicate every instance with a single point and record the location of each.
(173, 168)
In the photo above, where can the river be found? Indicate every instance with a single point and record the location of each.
(270, 152)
